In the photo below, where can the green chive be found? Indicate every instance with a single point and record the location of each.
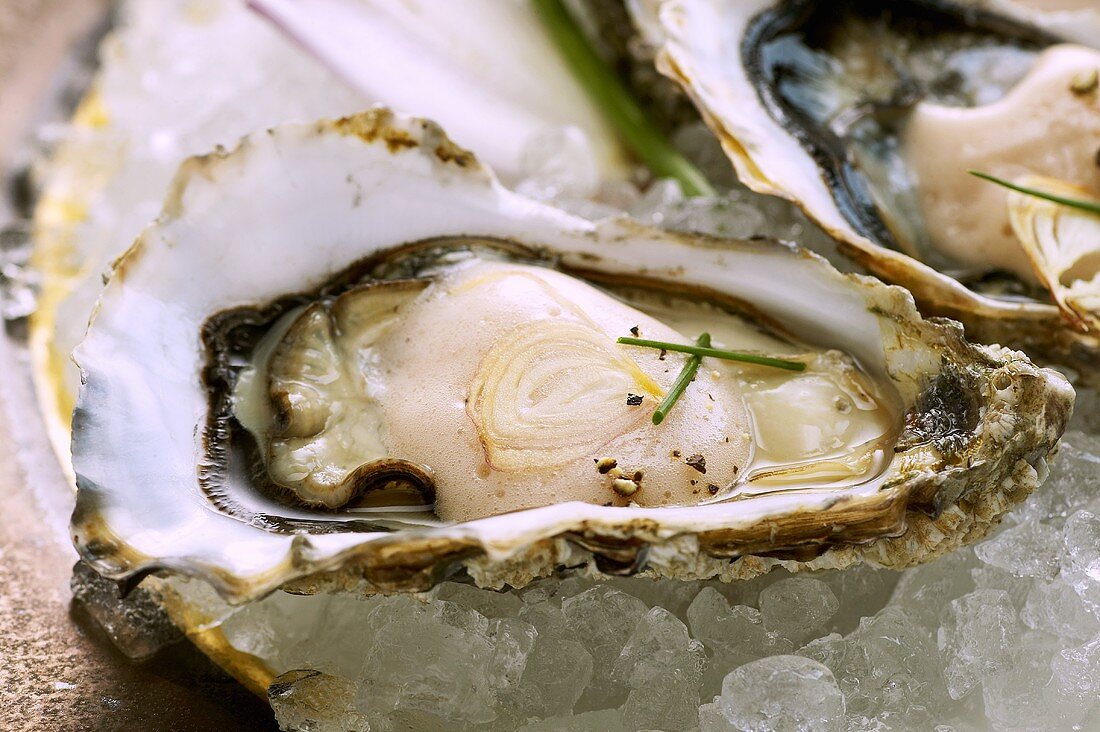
(697, 350)
(614, 100)
(1090, 206)
(685, 377)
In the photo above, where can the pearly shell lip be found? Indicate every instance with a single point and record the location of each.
(711, 48)
(968, 452)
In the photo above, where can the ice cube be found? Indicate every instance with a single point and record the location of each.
(574, 585)
(1031, 549)
(980, 641)
(1056, 608)
(668, 702)
(994, 578)
(1014, 696)
(1074, 480)
(603, 619)
(782, 693)
(711, 719)
(924, 592)
(696, 141)
(557, 672)
(889, 670)
(1082, 543)
(673, 595)
(603, 720)
(1086, 413)
(558, 164)
(663, 667)
(1077, 670)
(307, 632)
(539, 591)
(862, 591)
(732, 636)
(418, 648)
(490, 603)
(658, 635)
(797, 607)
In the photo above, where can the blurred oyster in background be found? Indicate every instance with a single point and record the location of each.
(483, 69)
(157, 97)
(867, 116)
(1078, 20)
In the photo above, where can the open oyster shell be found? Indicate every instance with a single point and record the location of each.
(730, 58)
(293, 208)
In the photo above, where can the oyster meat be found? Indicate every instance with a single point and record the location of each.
(276, 398)
(869, 115)
(1076, 20)
(1048, 124)
(505, 380)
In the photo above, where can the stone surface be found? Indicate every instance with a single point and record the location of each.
(58, 669)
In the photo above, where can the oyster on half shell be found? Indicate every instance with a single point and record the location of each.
(868, 115)
(322, 317)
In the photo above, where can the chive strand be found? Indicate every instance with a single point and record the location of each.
(685, 378)
(615, 101)
(1090, 206)
(697, 350)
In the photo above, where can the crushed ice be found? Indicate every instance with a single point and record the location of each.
(1003, 635)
